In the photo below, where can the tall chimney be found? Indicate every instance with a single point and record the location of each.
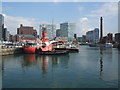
(101, 29)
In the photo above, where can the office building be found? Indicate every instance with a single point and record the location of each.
(50, 29)
(92, 36)
(4, 34)
(117, 37)
(58, 33)
(67, 29)
(84, 39)
(1, 26)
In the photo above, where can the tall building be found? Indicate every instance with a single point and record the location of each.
(51, 30)
(67, 29)
(96, 35)
(117, 37)
(1, 26)
(26, 30)
(58, 33)
(93, 36)
(4, 34)
(89, 36)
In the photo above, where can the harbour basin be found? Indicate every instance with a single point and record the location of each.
(91, 67)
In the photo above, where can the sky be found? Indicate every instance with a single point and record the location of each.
(85, 14)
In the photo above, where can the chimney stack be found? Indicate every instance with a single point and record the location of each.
(101, 29)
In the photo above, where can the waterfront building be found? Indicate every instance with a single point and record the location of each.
(4, 34)
(104, 40)
(26, 30)
(25, 33)
(117, 37)
(58, 33)
(61, 39)
(1, 26)
(11, 38)
(89, 36)
(92, 36)
(79, 39)
(110, 37)
(84, 39)
(67, 29)
(24, 38)
(51, 30)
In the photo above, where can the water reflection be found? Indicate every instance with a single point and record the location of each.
(44, 61)
(29, 60)
(101, 62)
(55, 61)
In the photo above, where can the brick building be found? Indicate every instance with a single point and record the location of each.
(26, 30)
(25, 33)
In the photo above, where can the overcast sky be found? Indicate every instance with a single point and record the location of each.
(85, 14)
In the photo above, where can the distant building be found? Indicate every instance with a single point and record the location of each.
(4, 34)
(58, 33)
(92, 36)
(104, 40)
(67, 29)
(117, 37)
(24, 38)
(11, 38)
(25, 33)
(89, 37)
(51, 30)
(79, 39)
(61, 39)
(84, 38)
(1, 26)
(26, 30)
(110, 37)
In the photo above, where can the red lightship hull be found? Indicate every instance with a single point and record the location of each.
(30, 50)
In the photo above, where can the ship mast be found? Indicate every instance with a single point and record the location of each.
(52, 29)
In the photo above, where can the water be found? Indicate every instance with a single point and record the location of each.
(90, 68)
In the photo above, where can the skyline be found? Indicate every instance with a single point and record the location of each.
(85, 14)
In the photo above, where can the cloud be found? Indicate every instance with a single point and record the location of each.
(12, 23)
(83, 20)
(109, 12)
(83, 25)
(108, 9)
